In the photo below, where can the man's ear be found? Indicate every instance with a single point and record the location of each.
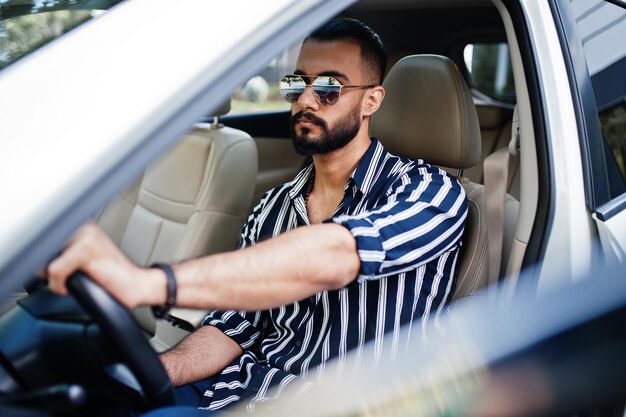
(373, 100)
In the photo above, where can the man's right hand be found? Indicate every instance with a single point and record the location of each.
(91, 251)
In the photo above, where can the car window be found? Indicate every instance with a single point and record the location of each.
(489, 70)
(26, 26)
(601, 28)
(260, 93)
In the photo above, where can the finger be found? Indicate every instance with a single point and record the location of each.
(75, 253)
(71, 260)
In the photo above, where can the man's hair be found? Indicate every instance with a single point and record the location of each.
(373, 52)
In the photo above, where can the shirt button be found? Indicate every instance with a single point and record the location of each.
(312, 300)
(298, 343)
(255, 388)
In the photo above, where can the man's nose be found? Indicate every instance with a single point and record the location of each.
(308, 99)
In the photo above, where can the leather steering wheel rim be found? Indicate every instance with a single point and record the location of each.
(120, 327)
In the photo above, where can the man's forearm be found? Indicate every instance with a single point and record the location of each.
(278, 271)
(204, 353)
(272, 273)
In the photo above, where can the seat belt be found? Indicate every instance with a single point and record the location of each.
(496, 172)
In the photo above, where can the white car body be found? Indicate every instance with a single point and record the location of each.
(145, 79)
(83, 116)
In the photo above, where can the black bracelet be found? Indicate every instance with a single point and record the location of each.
(163, 311)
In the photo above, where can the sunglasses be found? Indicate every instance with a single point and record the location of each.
(326, 89)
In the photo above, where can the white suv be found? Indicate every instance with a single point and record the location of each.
(85, 112)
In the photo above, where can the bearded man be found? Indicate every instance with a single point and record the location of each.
(359, 244)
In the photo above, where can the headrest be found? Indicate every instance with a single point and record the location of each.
(223, 109)
(428, 113)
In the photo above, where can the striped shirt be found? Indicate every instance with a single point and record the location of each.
(407, 218)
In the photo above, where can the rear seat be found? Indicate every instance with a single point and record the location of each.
(496, 127)
(495, 132)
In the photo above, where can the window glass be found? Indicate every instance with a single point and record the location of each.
(602, 29)
(613, 121)
(28, 25)
(260, 93)
(25, 33)
(489, 69)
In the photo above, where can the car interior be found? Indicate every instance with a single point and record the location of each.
(194, 200)
(181, 200)
(181, 208)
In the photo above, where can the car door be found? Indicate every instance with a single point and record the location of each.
(592, 36)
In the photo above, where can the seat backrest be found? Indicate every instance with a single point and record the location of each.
(429, 113)
(191, 202)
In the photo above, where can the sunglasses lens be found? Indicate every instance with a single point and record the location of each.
(327, 89)
(291, 88)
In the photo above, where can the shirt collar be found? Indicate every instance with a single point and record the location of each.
(365, 172)
(299, 183)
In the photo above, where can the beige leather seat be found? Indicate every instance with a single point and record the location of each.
(428, 113)
(191, 202)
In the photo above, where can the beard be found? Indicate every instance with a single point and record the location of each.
(330, 139)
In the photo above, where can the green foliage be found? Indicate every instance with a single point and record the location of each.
(26, 33)
(613, 123)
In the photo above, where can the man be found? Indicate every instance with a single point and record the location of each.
(378, 251)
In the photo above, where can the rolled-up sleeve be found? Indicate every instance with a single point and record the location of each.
(244, 328)
(421, 217)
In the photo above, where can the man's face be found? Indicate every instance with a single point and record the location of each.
(318, 128)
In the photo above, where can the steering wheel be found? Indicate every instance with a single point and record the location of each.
(118, 325)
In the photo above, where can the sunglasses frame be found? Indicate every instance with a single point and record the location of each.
(320, 99)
